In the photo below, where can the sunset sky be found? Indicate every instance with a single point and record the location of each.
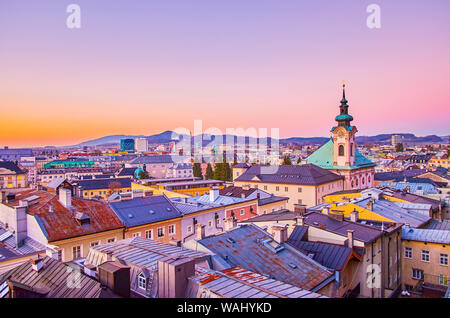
(143, 67)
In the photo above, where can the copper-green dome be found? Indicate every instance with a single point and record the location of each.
(344, 117)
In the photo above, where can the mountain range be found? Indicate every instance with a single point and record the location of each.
(168, 136)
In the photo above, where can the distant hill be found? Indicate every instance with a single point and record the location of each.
(168, 136)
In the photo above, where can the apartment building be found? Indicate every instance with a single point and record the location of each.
(12, 176)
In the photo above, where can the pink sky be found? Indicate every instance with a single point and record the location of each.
(146, 68)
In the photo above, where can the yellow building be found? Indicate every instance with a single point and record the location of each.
(11, 176)
(425, 262)
(103, 188)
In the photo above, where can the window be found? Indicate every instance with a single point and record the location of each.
(142, 281)
(277, 188)
(137, 234)
(425, 256)
(210, 223)
(111, 240)
(341, 150)
(417, 274)
(60, 255)
(149, 234)
(242, 211)
(299, 189)
(171, 229)
(299, 201)
(265, 187)
(443, 280)
(443, 259)
(189, 229)
(94, 243)
(160, 231)
(76, 252)
(408, 252)
(286, 189)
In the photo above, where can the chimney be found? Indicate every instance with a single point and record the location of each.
(246, 187)
(350, 238)
(20, 226)
(299, 209)
(65, 197)
(109, 256)
(200, 230)
(173, 275)
(37, 264)
(175, 242)
(354, 216)
(279, 232)
(229, 223)
(116, 277)
(213, 194)
(369, 205)
(52, 253)
(337, 215)
(300, 220)
(325, 211)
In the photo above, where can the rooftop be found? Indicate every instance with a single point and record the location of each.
(426, 235)
(307, 174)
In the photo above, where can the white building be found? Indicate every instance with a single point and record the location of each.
(141, 144)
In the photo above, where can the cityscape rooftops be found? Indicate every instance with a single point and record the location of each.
(307, 174)
(152, 159)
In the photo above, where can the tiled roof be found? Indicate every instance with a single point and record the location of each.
(9, 165)
(426, 235)
(238, 282)
(59, 223)
(324, 157)
(247, 247)
(51, 281)
(413, 187)
(140, 211)
(383, 176)
(152, 159)
(361, 232)
(307, 174)
(280, 215)
(103, 183)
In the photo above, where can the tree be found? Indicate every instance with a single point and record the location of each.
(197, 170)
(209, 172)
(143, 175)
(229, 172)
(299, 160)
(399, 147)
(286, 161)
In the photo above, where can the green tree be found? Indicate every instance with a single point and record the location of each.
(143, 175)
(209, 172)
(399, 147)
(286, 161)
(299, 160)
(197, 170)
(229, 172)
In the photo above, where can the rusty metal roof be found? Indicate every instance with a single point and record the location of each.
(255, 250)
(58, 222)
(238, 282)
(51, 281)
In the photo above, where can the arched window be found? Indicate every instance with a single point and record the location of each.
(142, 281)
(341, 150)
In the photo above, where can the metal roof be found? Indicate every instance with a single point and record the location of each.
(439, 225)
(139, 211)
(426, 235)
(255, 250)
(238, 282)
(103, 183)
(413, 186)
(51, 281)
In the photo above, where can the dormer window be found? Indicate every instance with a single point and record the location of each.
(142, 281)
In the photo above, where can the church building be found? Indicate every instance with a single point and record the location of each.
(340, 154)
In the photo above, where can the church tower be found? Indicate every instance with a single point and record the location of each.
(344, 136)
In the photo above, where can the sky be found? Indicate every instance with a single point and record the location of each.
(143, 67)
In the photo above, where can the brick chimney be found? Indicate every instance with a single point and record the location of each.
(200, 231)
(299, 209)
(279, 232)
(37, 264)
(350, 238)
(354, 216)
(369, 205)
